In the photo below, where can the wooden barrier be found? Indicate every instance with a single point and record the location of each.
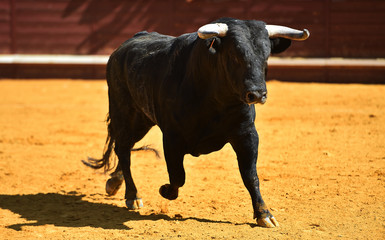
(335, 70)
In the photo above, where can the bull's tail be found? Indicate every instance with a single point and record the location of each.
(108, 152)
(105, 161)
(147, 148)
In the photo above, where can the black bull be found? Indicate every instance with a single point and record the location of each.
(200, 92)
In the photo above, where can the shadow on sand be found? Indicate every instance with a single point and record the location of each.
(72, 211)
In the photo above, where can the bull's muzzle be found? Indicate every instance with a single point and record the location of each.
(254, 97)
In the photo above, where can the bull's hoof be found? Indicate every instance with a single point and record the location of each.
(168, 192)
(268, 222)
(112, 185)
(134, 204)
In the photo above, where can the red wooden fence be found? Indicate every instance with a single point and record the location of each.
(339, 28)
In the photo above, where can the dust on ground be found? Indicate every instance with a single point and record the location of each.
(321, 165)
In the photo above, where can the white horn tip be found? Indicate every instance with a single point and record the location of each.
(212, 30)
(306, 34)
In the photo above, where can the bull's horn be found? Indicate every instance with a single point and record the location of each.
(286, 32)
(213, 30)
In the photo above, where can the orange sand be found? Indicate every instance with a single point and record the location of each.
(321, 166)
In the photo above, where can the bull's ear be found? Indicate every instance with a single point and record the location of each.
(279, 45)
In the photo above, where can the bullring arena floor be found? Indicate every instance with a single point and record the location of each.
(321, 166)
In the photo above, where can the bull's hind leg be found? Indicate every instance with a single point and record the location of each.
(133, 200)
(113, 184)
(133, 130)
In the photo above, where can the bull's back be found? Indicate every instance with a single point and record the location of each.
(143, 56)
(137, 68)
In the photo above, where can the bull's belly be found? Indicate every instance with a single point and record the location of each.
(207, 146)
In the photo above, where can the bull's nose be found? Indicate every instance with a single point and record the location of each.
(256, 97)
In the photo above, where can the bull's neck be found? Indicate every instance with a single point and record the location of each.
(205, 79)
(208, 88)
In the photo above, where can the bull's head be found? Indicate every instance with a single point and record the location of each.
(242, 49)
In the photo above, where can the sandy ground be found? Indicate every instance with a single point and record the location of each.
(321, 166)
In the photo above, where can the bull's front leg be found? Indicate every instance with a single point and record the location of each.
(174, 159)
(246, 149)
